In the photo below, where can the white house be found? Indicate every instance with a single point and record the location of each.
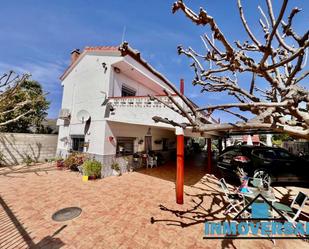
(106, 110)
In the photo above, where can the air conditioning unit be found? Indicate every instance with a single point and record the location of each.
(64, 114)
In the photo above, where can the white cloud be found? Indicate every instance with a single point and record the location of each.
(44, 72)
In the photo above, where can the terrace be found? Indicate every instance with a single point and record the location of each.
(140, 110)
(135, 210)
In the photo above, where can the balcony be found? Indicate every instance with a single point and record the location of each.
(140, 110)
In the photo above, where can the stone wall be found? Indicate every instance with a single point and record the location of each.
(296, 147)
(15, 148)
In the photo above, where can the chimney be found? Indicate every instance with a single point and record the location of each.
(182, 86)
(74, 55)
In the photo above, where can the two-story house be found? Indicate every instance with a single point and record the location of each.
(106, 110)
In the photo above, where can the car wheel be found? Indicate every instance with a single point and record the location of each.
(261, 174)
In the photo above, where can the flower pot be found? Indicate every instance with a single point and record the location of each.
(59, 164)
(94, 177)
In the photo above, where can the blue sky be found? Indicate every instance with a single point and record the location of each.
(37, 36)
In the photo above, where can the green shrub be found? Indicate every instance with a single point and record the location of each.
(74, 160)
(92, 168)
(115, 166)
(28, 160)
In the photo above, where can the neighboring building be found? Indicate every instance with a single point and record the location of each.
(106, 110)
(297, 147)
(249, 140)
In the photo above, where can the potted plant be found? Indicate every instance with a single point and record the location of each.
(135, 157)
(74, 160)
(128, 164)
(92, 169)
(116, 169)
(59, 162)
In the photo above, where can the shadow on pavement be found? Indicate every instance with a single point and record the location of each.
(13, 233)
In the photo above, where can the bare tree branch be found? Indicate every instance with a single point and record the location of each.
(276, 106)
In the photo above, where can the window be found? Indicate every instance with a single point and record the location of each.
(127, 91)
(125, 146)
(265, 154)
(284, 155)
(78, 143)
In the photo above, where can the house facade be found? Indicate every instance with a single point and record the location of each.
(106, 109)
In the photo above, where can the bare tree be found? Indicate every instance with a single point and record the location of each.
(279, 60)
(10, 84)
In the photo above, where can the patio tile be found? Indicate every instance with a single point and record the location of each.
(117, 211)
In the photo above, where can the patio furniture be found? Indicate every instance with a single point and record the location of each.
(151, 161)
(269, 194)
(287, 211)
(137, 162)
(234, 199)
(256, 182)
(144, 160)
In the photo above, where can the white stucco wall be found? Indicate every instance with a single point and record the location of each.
(82, 90)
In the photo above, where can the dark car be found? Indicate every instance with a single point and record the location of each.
(268, 163)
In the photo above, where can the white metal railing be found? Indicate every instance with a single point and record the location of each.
(139, 101)
(141, 109)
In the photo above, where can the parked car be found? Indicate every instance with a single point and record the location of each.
(270, 164)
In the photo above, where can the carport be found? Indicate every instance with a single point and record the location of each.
(222, 137)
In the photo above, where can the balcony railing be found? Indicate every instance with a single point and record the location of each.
(140, 110)
(138, 101)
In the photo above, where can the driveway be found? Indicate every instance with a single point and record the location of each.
(135, 210)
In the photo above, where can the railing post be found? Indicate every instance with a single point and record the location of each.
(180, 165)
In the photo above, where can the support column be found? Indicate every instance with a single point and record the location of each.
(220, 145)
(209, 156)
(180, 165)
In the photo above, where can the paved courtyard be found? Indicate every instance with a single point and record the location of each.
(135, 210)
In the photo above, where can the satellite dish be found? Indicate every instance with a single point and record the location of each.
(83, 116)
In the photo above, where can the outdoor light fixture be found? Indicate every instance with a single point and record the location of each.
(104, 67)
(117, 70)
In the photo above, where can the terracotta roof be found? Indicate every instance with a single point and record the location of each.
(101, 48)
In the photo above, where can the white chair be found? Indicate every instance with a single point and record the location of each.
(80, 170)
(298, 203)
(235, 200)
(151, 161)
